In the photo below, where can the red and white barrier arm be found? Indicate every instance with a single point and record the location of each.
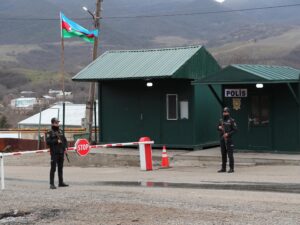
(74, 148)
(121, 144)
(25, 152)
(32, 152)
(144, 148)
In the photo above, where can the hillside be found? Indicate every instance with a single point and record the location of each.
(119, 32)
(43, 35)
(280, 15)
(280, 50)
(30, 36)
(211, 29)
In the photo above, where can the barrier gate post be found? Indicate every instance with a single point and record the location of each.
(2, 171)
(145, 154)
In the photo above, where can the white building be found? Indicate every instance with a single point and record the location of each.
(74, 117)
(60, 94)
(24, 103)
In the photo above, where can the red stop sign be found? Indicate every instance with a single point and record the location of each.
(82, 147)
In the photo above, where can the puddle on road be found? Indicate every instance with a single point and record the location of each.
(247, 186)
(214, 185)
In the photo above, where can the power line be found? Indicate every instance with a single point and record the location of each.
(205, 13)
(159, 15)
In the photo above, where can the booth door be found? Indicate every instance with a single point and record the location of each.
(259, 124)
(150, 114)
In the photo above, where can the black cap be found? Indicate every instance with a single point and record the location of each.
(226, 109)
(54, 120)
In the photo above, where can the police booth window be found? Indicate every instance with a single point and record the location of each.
(172, 107)
(260, 110)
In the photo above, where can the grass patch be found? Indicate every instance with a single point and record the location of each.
(278, 46)
(38, 76)
(9, 53)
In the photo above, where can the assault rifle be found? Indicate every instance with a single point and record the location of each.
(223, 132)
(67, 156)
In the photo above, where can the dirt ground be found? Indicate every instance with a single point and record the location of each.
(27, 198)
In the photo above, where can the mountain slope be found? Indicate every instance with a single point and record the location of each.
(43, 36)
(280, 15)
(44, 31)
(281, 50)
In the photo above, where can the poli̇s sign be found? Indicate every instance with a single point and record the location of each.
(236, 93)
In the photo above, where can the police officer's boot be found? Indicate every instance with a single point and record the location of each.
(61, 179)
(52, 186)
(231, 171)
(223, 168)
(61, 183)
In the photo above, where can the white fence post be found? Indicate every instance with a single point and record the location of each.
(2, 171)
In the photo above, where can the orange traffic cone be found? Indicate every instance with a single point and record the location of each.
(165, 159)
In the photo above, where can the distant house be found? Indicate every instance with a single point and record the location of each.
(23, 103)
(48, 97)
(60, 94)
(28, 94)
(55, 92)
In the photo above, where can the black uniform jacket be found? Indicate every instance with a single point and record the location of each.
(52, 138)
(228, 126)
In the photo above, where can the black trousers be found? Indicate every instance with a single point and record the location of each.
(57, 159)
(227, 150)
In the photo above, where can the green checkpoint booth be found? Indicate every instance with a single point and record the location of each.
(149, 92)
(265, 101)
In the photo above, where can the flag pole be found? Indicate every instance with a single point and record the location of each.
(62, 70)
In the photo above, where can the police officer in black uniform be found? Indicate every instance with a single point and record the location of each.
(227, 127)
(58, 144)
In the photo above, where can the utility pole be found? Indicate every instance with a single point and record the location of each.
(91, 99)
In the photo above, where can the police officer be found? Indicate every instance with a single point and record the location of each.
(227, 127)
(58, 144)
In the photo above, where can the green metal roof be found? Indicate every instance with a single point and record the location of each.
(140, 64)
(244, 73)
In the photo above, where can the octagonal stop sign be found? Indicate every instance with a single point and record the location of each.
(82, 147)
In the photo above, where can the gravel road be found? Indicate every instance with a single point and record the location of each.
(27, 198)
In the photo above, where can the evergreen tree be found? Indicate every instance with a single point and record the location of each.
(3, 122)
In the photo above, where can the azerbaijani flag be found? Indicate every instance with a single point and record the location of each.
(71, 29)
